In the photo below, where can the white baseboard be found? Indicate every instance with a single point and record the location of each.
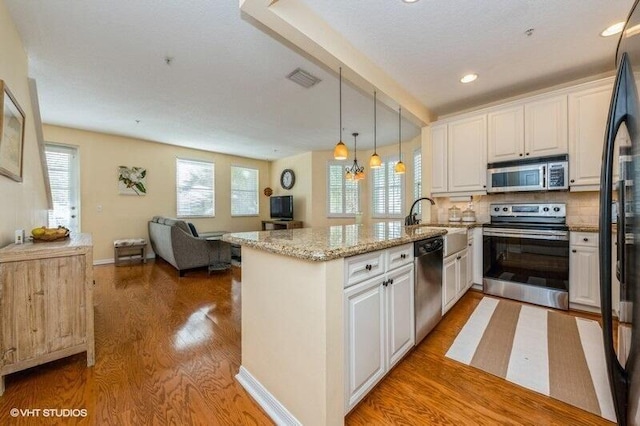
(97, 262)
(278, 412)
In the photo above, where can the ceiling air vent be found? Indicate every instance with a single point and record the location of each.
(303, 78)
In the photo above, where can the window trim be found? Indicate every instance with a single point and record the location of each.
(392, 160)
(237, 166)
(344, 193)
(213, 188)
(418, 208)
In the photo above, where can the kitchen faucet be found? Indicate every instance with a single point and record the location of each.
(411, 219)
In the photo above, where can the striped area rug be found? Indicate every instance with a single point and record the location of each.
(543, 350)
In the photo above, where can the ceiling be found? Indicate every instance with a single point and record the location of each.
(102, 66)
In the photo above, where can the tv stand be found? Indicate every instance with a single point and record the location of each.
(270, 225)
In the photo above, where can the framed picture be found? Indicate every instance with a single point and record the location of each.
(132, 180)
(12, 136)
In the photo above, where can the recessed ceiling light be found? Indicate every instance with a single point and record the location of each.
(469, 78)
(613, 29)
(409, 1)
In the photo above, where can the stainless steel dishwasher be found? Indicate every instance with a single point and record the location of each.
(428, 285)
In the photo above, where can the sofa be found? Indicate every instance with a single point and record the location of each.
(174, 241)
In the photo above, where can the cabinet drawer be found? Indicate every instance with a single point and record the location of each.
(363, 267)
(398, 256)
(589, 239)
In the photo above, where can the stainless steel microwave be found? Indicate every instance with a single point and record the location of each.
(534, 174)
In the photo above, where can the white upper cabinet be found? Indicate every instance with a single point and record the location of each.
(506, 134)
(536, 128)
(459, 156)
(545, 127)
(588, 111)
(439, 158)
(467, 150)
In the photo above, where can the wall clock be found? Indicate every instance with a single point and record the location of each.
(287, 179)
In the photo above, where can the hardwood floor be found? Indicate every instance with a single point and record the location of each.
(167, 350)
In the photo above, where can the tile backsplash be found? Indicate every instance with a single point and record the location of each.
(582, 207)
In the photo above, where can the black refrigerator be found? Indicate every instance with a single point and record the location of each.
(624, 113)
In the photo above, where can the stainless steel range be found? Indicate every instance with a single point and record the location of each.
(526, 253)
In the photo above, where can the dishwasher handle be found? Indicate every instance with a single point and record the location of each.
(421, 248)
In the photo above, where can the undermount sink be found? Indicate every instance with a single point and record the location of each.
(454, 240)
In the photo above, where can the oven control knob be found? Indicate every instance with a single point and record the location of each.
(556, 209)
(545, 209)
(497, 209)
(505, 209)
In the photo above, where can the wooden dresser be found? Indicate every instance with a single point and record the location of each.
(46, 303)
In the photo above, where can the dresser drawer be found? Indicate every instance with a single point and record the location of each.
(399, 256)
(364, 266)
(584, 239)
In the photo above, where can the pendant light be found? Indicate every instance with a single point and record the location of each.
(400, 168)
(375, 161)
(340, 152)
(356, 171)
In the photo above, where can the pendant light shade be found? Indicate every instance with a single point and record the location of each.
(400, 167)
(340, 152)
(375, 161)
(355, 171)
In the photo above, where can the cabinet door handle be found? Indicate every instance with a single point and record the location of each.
(520, 154)
(573, 251)
(572, 180)
(39, 293)
(585, 239)
(390, 280)
(403, 256)
(527, 153)
(459, 257)
(368, 267)
(385, 283)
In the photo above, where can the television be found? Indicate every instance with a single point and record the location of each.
(282, 207)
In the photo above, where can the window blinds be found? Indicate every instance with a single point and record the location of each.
(195, 188)
(244, 191)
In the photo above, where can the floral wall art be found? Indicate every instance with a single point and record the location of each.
(132, 180)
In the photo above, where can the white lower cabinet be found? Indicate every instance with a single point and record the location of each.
(365, 338)
(584, 270)
(379, 328)
(399, 314)
(455, 279)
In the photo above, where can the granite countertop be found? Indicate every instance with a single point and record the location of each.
(334, 242)
(583, 228)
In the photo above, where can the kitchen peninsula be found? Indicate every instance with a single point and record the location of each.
(293, 322)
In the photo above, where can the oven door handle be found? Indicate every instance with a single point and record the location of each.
(556, 236)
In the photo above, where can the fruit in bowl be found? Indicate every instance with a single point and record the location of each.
(49, 234)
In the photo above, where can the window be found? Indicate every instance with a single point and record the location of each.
(417, 179)
(195, 188)
(343, 195)
(244, 191)
(387, 190)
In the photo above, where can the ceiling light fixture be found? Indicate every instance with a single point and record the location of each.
(469, 78)
(400, 167)
(410, 1)
(340, 152)
(375, 161)
(356, 171)
(613, 29)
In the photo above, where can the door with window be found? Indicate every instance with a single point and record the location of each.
(64, 177)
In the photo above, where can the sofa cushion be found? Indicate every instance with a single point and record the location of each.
(193, 229)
